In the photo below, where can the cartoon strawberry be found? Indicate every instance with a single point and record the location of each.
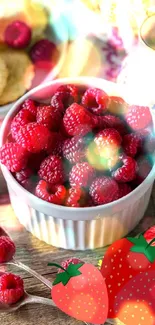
(124, 260)
(135, 303)
(80, 292)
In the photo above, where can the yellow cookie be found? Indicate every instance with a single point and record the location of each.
(3, 75)
(21, 73)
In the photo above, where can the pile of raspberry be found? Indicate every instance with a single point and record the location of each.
(83, 149)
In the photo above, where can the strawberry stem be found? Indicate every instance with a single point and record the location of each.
(57, 265)
(71, 271)
(151, 242)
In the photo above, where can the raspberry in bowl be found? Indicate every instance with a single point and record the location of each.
(79, 175)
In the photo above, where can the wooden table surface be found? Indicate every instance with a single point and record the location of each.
(37, 254)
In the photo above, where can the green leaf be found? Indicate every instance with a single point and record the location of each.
(141, 246)
(62, 278)
(71, 271)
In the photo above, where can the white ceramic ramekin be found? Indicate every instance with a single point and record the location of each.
(75, 228)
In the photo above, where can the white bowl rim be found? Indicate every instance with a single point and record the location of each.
(90, 81)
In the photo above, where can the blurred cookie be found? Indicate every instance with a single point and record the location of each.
(21, 73)
(3, 75)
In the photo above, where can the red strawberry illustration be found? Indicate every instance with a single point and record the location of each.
(124, 260)
(135, 303)
(80, 292)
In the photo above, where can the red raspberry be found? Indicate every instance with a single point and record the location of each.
(73, 149)
(138, 117)
(34, 137)
(127, 172)
(62, 100)
(124, 189)
(49, 117)
(69, 261)
(35, 160)
(7, 249)
(30, 105)
(81, 174)
(117, 105)
(71, 89)
(144, 168)
(110, 121)
(76, 197)
(103, 190)
(22, 118)
(51, 170)
(42, 53)
(11, 288)
(96, 100)
(17, 34)
(51, 193)
(132, 143)
(23, 178)
(56, 145)
(13, 156)
(108, 141)
(77, 120)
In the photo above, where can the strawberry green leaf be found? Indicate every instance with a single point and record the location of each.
(141, 246)
(71, 271)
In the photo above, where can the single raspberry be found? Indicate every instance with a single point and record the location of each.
(77, 120)
(35, 160)
(132, 144)
(138, 117)
(43, 53)
(110, 121)
(71, 89)
(108, 141)
(13, 156)
(117, 105)
(124, 189)
(143, 169)
(76, 197)
(34, 137)
(127, 172)
(69, 261)
(103, 190)
(51, 170)
(11, 288)
(17, 34)
(51, 193)
(7, 249)
(73, 149)
(150, 235)
(96, 100)
(62, 100)
(49, 117)
(81, 174)
(30, 105)
(55, 148)
(23, 178)
(22, 118)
